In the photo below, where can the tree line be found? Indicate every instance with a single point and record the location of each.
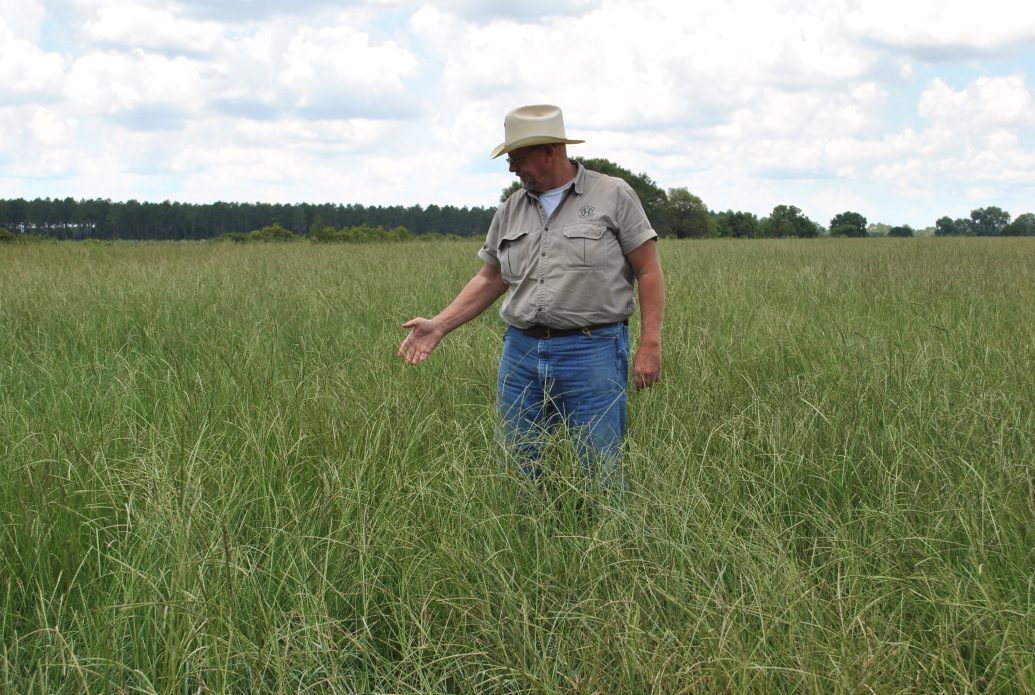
(70, 219)
(679, 213)
(674, 213)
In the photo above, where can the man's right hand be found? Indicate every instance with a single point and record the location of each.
(424, 336)
(477, 295)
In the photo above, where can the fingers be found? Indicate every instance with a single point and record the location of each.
(419, 355)
(646, 367)
(407, 348)
(643, 380)
(646, 374)
(415, 347)
(412, 352)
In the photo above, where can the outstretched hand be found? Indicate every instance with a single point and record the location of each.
(424, 336)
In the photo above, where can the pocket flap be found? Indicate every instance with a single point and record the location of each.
(513, 235)
(584, 230)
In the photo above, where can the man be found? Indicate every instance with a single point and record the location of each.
(566, 250)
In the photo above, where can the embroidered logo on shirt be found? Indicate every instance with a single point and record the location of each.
(587, 212)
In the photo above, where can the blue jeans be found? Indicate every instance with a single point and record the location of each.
(579, 381)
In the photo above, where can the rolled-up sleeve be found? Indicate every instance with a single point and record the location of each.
(634, 228)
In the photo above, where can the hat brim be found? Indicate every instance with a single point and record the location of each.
(504, 148)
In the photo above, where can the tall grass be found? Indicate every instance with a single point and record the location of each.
(217, 477)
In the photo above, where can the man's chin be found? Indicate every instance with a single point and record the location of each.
(529, 185)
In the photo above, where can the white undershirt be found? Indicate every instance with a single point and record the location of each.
(552, 198)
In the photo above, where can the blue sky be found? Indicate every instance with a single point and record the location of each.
(902, 111)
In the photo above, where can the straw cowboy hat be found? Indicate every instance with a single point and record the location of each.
(532, 125)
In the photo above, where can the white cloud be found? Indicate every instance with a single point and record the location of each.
(49, 136)
(529, 11)
(823, 206)
(135, 25)
(25, 69)
(272, 11)
(986, 102)
(113, 83)
(338, 67)
(22, 18)
(50, 128)
(325, 137)
(973, 136)
(943, 29)
(817, 114)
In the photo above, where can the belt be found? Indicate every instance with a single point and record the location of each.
(545, 332)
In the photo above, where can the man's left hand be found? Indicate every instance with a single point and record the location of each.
(646, 366)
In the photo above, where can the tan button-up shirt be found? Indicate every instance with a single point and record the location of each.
(570, 270)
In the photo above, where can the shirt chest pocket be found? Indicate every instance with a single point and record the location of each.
(585, 245)
(514, 254)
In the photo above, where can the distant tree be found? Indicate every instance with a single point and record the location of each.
(989, 221)
(877, 229)
(133, 220)
(39, 214)
(317, 226)
(299, 219)
(776, 225)
(737, 225)
(274, 232)
(903, 231)
(323, 234)
(433, 221)
(399, 234)
(945, 226)
(236, 237)
(510, 190)
(1024, 225)
(788, 221)
(12, 213)
(686, 216)
(851, 224)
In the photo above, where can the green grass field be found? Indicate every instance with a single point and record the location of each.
(216, 476)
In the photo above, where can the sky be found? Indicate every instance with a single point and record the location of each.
(903, 110)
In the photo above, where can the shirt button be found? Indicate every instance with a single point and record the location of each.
(541, 281)
(543, 254)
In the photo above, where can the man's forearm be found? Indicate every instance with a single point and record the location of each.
(652, 306)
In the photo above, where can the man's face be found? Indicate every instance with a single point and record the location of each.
(529, 164)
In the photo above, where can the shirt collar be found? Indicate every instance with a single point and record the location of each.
(577, 184)
(580, 177)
